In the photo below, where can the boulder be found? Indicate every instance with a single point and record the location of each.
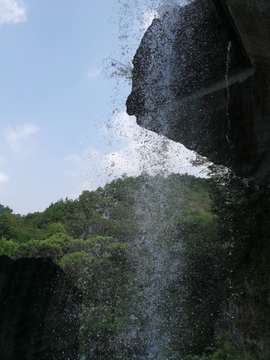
(39, 310)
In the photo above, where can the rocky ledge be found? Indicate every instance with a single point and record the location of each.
(201, 77)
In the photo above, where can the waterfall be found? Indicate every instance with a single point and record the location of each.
(157, 266)
(228, 61)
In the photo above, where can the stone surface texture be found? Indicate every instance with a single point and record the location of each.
(201, 77)
(39, 311)
(245, 313)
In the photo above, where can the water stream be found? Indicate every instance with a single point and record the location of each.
(228, 61)
(157, 248)
(157, 264)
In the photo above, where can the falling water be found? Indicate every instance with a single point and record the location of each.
(228, 61)
(155, 248)
(157, 266)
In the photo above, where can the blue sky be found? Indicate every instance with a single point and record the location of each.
(63, 126)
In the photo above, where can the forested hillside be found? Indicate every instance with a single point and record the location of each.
(108, 211)
(152, 256)
(99, 240)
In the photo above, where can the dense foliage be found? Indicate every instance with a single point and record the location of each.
(152, 256)
(5, 209)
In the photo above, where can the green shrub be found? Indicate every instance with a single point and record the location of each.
(8, 247)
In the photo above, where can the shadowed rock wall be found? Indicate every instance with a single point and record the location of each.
(39, 311)
(202, 78)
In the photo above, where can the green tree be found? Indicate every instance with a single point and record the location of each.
(56, 228)
(104, 274)
(5, 209)
(9, 228)
(8, 247)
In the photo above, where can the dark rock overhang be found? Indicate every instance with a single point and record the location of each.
(202, 77)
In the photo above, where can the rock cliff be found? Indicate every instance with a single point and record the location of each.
(201, 77)
(39, 311)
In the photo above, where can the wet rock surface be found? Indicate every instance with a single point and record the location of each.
(39, 310)
(202, 78)
(245, 313)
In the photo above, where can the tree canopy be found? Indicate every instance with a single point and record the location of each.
(151, 256)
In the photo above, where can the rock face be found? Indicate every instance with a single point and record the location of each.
(245, 314)
(201, 77)
(39, 311)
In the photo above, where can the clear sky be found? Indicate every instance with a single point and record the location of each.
(63, 126)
